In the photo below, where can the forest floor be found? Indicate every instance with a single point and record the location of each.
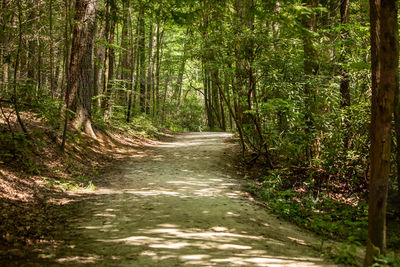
(177, 202)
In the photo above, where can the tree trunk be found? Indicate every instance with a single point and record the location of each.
(133, 74)
(179, 82)
(16, 65)
(344, 79)
(51, 49)
(156, 105)
(344, 76)
(98, 68)
(384, 74)
(150, 72)
(142, 61)
(244, 20)
(81, 73)
(109, 58)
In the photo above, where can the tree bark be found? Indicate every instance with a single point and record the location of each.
(344, 79)
(384, 71)
(142, 61)
(51, 48)
(150, 71)
(109, 58)
(134, 56)
(156, 105)
(100, 51)
(179, 82)
(81, 73)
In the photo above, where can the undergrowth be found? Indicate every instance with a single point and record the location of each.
(319, 211)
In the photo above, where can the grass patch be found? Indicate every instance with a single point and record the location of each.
(69, 185)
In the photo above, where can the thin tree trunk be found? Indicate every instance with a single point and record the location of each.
(228, 97)
(156, 106)
(142, 61)
(134, 56)
(344, 76)
(109, 59)
(16, 65)
(100, 51)
(164, 99)
(51, 49)
(150, 71)
(179, 82)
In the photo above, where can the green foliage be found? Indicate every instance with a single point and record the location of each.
(17, 151)
(143, 125)
(320, 214)
(387, 260)
(77, 183)
(188, 116)
(345, 254)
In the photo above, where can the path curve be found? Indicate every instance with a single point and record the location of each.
(178, 205)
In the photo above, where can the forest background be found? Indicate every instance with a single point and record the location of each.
(291, 78)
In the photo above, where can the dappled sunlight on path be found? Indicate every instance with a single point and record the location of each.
(178, 206)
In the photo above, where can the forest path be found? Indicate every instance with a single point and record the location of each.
(179, 205)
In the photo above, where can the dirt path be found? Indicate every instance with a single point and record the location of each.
(178, 205)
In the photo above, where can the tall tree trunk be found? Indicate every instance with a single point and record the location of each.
(156, 105)
(109, 58)
(150, 72)
(164, 99)
(215, 97)
(179, 82)
(100, 51)
(344, 79)
(384, 74)
(205, 68)
(222, 110)
(124, 56)
(133, 69)
(81, 73)
(51, 48)
(244, 17)
(5, 18)
(142, 61)
(344, 76)
(227, 79)
(66, 58)
(16, 66)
